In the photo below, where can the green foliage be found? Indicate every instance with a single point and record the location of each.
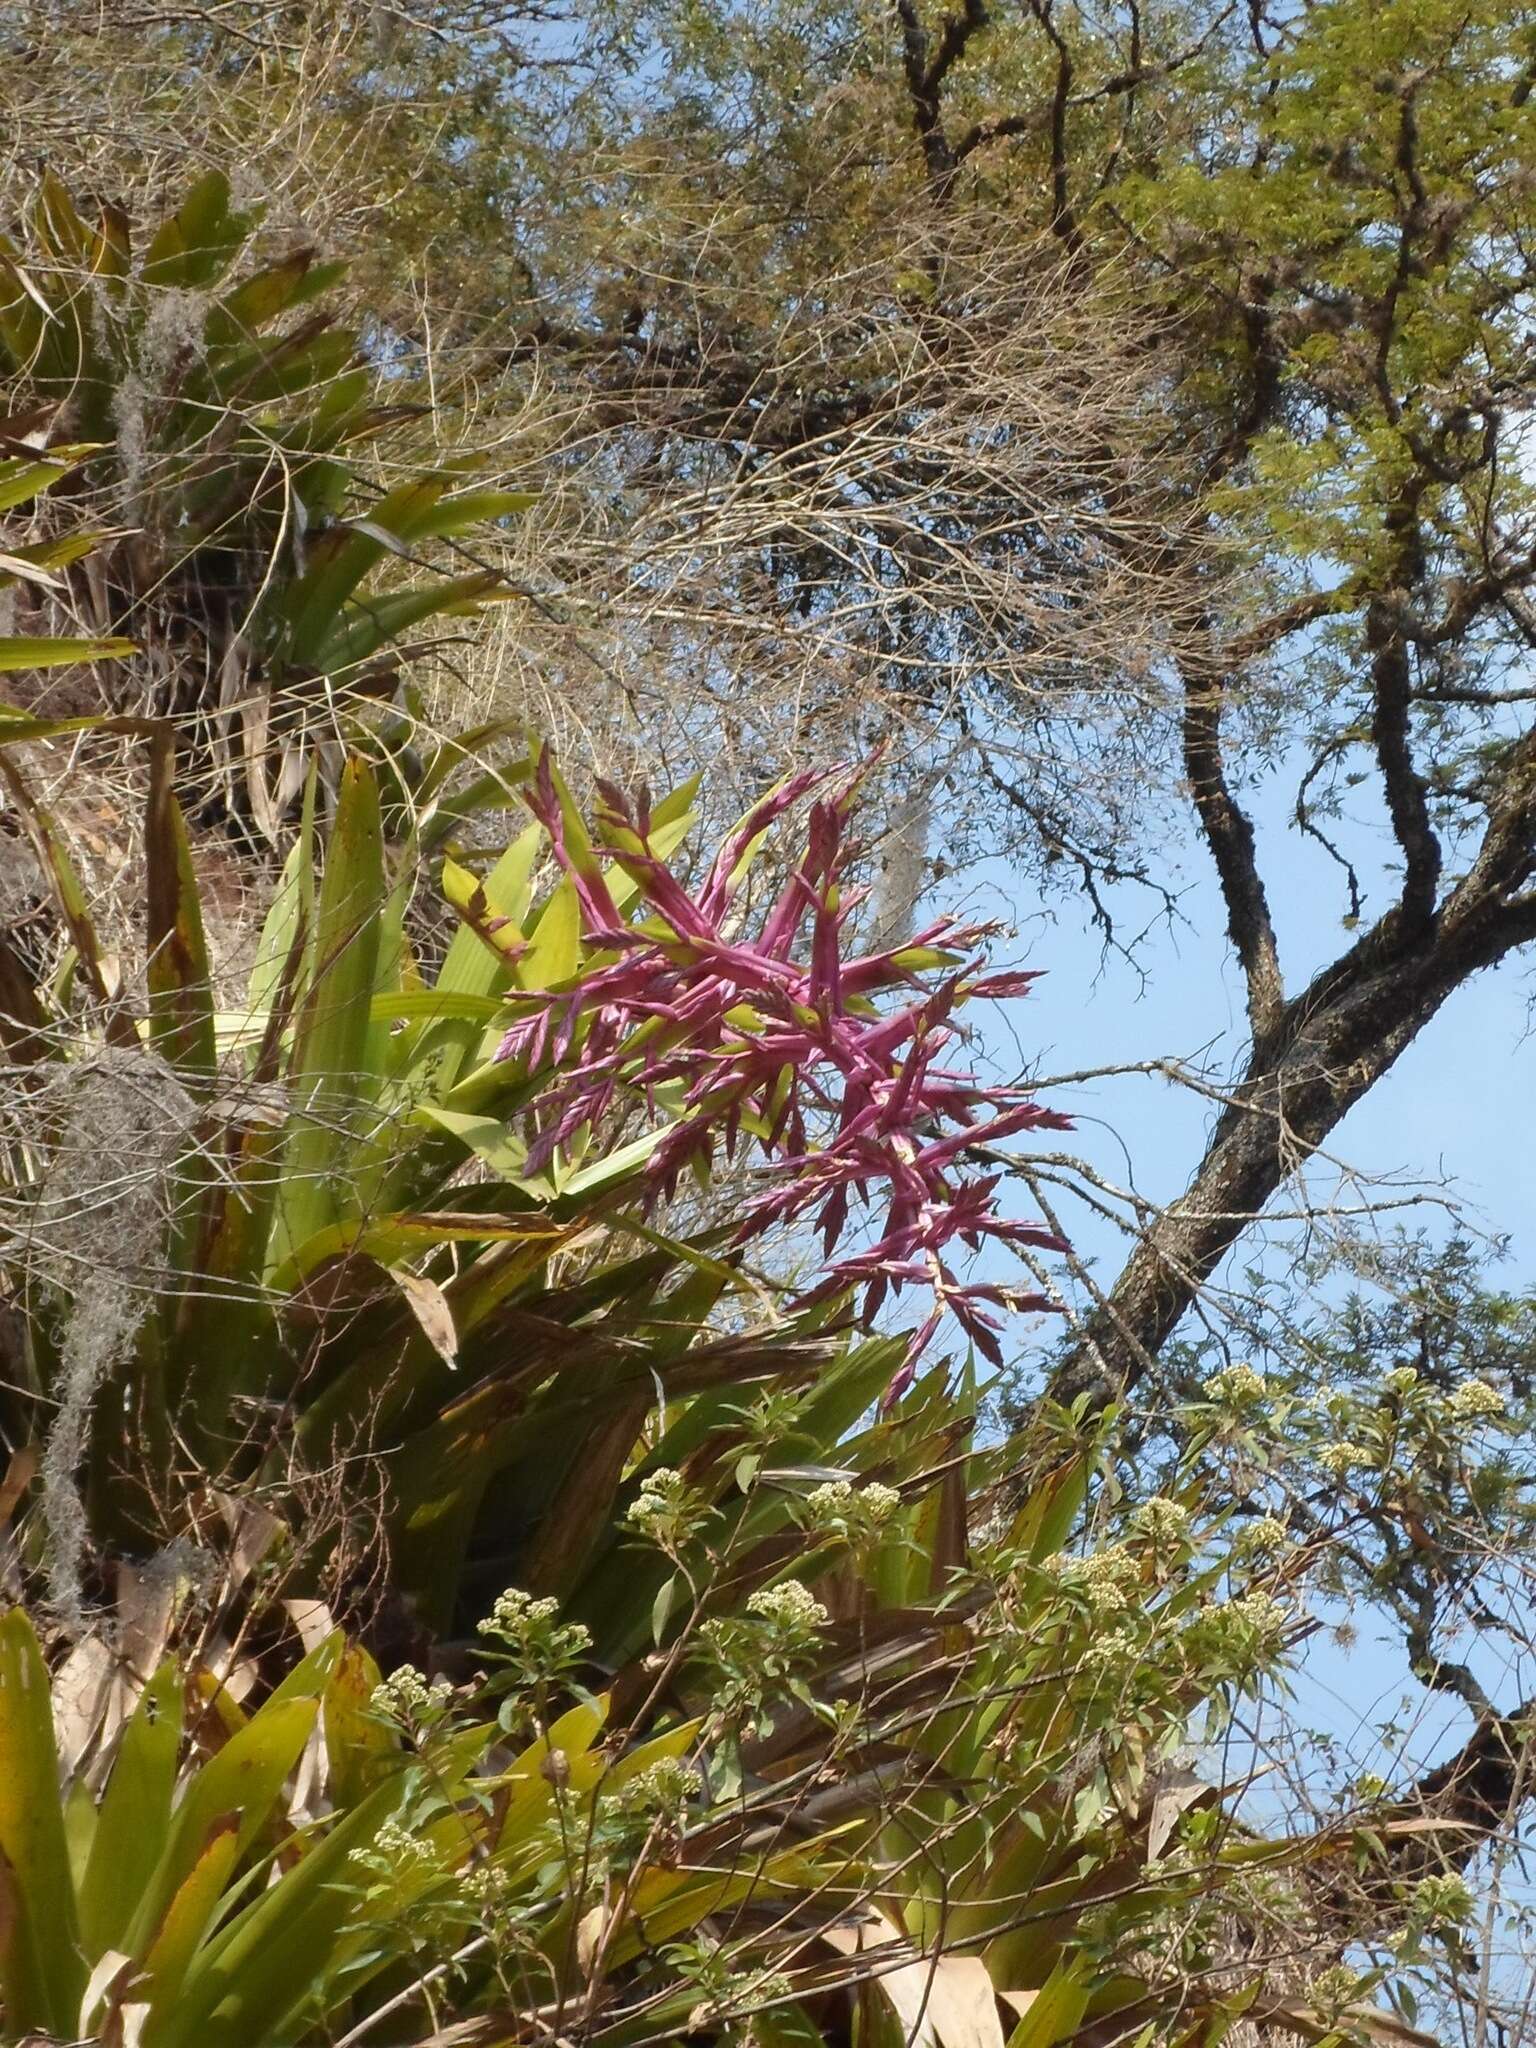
(1374, 204)
(36, 565)
(753, 1718)
(1382, 1426)
(197, 1882)
(220, 417)
(332, 1249)
(365, 1312)
(941, 1784)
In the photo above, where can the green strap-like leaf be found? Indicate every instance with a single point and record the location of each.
(244, 1779)
(178, 973)
(135, 1815)
(1054, 2013)
(283, 1952)
(359, 1748)
(259, 300)
(186, 1920)
(332, 1087)
(42, 1971)
(24, 477)
(197, 243)
(407, 1235)
(369, 623)
(20, 654)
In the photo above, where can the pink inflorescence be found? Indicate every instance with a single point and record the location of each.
(777, 1036)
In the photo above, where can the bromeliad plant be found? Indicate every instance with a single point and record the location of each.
(217, 413)
(775, 1036)
(352, 1857)
(361, 1849)
(379, 1225)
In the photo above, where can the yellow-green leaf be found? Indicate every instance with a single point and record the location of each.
(1054, 2013)
(135, 1815)
(20, 654)
(187, 1917)
(42, 1971)
(331, 1085)
(245, 1778)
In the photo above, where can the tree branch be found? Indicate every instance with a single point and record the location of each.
(1407, 797)
(1333, 1042)
(1063, 220)
(1229, 834)
(1475, 1793)
(926, 66)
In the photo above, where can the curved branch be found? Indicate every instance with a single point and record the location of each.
(926, 66)
(1229, 834)
(1063, 220)
(1406, 793)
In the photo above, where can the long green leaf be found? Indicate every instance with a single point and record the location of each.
(282, 1953)
(367, 624)
(24, 477)
(19, 654)
(331, 1086)
(41, 1968)
(135, 1816)
(1055, 2011)
(420, 510)
(410, 1234)
(186, 1921)
(244, 1778)
(258, 300)
(71, 899)
(196, 244)
(178, 974)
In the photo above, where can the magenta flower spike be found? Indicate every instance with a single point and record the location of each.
(782, 1037)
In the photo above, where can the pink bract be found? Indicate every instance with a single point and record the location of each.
(777, 1035)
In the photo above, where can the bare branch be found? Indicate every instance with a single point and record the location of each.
(1229, 834)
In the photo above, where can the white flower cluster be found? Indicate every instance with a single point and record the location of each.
(1257, 1620)
(748, 1993)
(1339, 1460)
(665, 1511)
(1443, 1901)
(519, 1614)
(1165, 1521)
(1240, 1637)
(1263, 1537)
(1475, 1401)
(531, 1629)
(840, 1505)
(1335, 1987)
(396, 1848)
(1235, 1386)
(1110, 1649)
(406, 1696)
(789, 1607)
(488, 1885)
(667, 1784)
(1402, 1379)
(1104, 1578)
